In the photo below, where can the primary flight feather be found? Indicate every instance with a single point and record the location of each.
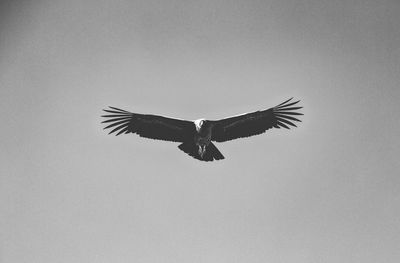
(196, 136)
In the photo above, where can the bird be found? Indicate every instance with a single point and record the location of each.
(196, 137)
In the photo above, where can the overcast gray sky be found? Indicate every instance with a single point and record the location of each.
(327, 191)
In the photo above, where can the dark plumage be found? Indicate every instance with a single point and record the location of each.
(196, 136)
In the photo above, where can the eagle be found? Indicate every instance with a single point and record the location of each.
(197, 137)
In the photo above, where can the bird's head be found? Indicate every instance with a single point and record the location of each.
(199, 123)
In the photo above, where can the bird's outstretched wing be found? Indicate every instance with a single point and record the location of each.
(148, 126)
(254, 123)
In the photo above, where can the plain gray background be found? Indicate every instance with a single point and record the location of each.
(328, 191)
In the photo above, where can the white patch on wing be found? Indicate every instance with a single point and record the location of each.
(197, 123)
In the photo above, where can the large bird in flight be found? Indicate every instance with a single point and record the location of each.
(196, 137)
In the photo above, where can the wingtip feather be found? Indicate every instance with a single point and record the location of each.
(287, 105)
(118, 109)
(281, 124)
(285, 102)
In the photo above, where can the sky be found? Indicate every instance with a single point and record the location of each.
(327, 191)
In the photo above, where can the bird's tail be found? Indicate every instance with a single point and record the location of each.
(211, 152)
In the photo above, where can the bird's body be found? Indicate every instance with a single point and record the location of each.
(202, 137)
(196, 136)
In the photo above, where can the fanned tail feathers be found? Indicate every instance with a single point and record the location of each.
(212, 153)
